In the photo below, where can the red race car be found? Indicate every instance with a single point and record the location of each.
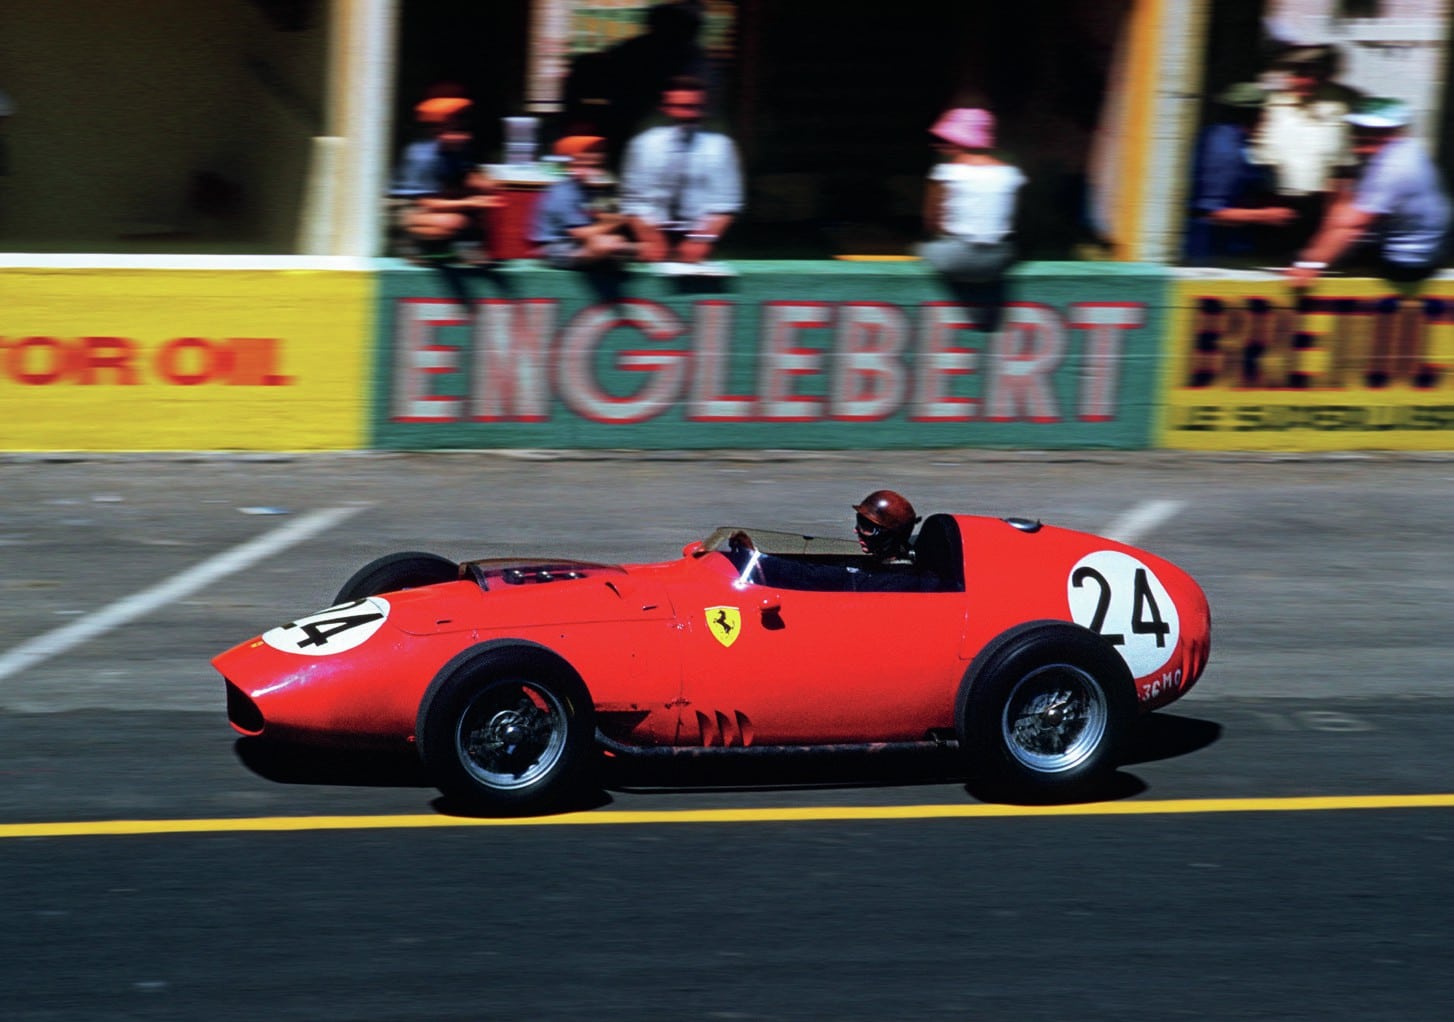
(1033, 648)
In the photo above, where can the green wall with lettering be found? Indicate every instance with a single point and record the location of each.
(794, 355)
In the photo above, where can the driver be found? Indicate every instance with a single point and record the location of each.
(884, 526)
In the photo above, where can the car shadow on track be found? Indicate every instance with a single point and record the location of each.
(1160, 736)
(296, 764)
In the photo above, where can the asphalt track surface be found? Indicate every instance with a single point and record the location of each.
(1278, 845)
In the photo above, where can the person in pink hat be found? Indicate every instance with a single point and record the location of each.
(969, 204)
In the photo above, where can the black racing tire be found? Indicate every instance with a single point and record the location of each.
(407, 570)
(1043, 711)
(508, 728)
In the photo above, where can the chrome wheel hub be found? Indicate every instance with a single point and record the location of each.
(1055, 718)
(511, 735)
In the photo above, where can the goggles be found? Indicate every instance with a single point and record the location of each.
(864, 527)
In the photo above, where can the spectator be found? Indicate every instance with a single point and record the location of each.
(1233, 208)
(1302, 136)
(447, 197)
(969, 206)
(681, 185)
(577, 224)
(1396, 221)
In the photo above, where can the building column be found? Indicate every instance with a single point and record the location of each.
(348, 174)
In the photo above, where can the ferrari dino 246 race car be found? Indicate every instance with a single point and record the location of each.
(1033, 648)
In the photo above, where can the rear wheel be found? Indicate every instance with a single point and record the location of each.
(507, 728)
(1043, 710)
(391, 572)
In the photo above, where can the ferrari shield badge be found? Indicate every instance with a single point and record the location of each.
(725, 624)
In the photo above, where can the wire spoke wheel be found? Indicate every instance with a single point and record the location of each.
(1055, 718)
(511, 734)
(507, 728)
(1042, 712)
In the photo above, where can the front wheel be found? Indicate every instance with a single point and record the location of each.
(506, 729)
(397, 571)
(1043, 710)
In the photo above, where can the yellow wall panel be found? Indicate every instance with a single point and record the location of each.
(1354, 364)
(204, 359)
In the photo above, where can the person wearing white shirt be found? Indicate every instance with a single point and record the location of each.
(681, 186)
(969, 206)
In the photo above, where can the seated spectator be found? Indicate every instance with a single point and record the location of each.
(969, 206)
(447, 196)
(1396, 222)
(577, 224)
(680, 184)
(1234, 209)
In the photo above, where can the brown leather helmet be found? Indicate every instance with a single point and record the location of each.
(886, 520)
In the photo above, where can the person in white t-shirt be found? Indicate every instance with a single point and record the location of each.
(969, 205)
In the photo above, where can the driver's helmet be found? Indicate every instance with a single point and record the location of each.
(885, 521)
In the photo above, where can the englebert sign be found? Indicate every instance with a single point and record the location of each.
(635, 360)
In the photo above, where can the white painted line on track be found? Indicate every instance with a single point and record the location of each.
(1140, 520)
(53, 643)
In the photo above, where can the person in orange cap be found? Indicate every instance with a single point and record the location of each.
(577, 223)
(447, 197)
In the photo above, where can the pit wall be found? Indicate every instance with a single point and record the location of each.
(136, 359)
(785, 355)
(1353, 364)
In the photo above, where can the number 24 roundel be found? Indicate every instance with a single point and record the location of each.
(1116, 595)
(335, 630)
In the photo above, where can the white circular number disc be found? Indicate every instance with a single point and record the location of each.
(1115, 594)
(335, 630)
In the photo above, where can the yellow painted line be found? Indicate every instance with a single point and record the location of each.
(795, 814)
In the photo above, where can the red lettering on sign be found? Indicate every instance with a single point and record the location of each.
(709, 401)
(120, 361)
(510, 381)
(1330, 343)
(941, 360)
(868, 378)
(1105, 324)
(188, 361)
(36, 361)
(255, 362)
(665, 368)
(781, 360)
(1024, 354)
(111, 353)
(419, 361)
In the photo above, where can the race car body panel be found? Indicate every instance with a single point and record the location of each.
(772, 666)
(699, 652)
(1149, 609)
